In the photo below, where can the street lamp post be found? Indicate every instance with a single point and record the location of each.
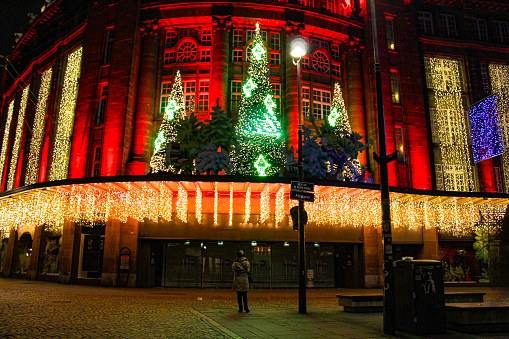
(389, 307)
(298, 50)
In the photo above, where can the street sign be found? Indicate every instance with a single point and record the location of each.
(302, 186)
(303, 196)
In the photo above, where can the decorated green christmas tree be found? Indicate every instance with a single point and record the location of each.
(338, 116)
(259, 148)
(174, 114)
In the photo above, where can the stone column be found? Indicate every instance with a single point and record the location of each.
(111, 253)
(129, 238)
(355, 95)
(430, 244)
(67, 252)
(146, 100)
(372, 256)
(220, 62)
(9, 254)
(37, 252)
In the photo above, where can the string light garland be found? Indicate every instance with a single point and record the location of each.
(264, 205)
(230, 219)
(247, 205)
(60, 155)
(452, 128)
(34, 156)
(485, 132)
(499, 75)
(17, 138)
(280, 205)
(173, 117)
(5, 141)
(216, 202)
(182, 203)
(333, 207)
(198, 211)
(258, 130)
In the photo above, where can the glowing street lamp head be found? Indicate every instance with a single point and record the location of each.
(298, 47)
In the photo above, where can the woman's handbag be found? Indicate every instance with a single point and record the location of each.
(249, 277)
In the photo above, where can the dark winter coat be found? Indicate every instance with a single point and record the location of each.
(240, 279)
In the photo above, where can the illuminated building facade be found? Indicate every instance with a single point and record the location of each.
(87, 88)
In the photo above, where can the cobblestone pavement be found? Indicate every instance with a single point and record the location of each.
(34, 309)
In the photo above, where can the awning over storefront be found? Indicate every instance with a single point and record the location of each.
(226, 202)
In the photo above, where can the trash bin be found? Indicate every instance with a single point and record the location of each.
(419, 296)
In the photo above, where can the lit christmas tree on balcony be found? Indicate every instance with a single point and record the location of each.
(259, 147)
(165, 138)
(338, 116)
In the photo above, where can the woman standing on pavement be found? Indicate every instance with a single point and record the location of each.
(241, 270)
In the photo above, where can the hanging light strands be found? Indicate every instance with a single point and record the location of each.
(60, 155)
(34, 156)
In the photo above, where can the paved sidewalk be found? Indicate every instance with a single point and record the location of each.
(33, 309)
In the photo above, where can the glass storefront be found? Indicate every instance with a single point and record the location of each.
(273, 265)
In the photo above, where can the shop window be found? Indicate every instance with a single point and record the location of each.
(171, 38)
(321, 104)
(426, 22)
(400, 144)
(395, 88)
(91, 250)
(389, 29)
(448, 25)
(101, 106)
(236, 95)
(274, 58)
(206, 37)
(187, 52)
(502, 31)
(321, 62)
(480, 29)
(238, 37)
(51, 254)
(24, 253)
(238, 55)
(205, 55)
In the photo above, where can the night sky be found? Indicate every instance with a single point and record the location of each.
(13, 19)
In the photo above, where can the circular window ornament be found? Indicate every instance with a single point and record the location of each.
(321, 62)
(187, 52)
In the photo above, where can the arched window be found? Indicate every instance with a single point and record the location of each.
(187, 52)
(321, 62)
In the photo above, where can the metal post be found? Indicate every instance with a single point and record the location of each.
(389, 309)
(302, 242)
